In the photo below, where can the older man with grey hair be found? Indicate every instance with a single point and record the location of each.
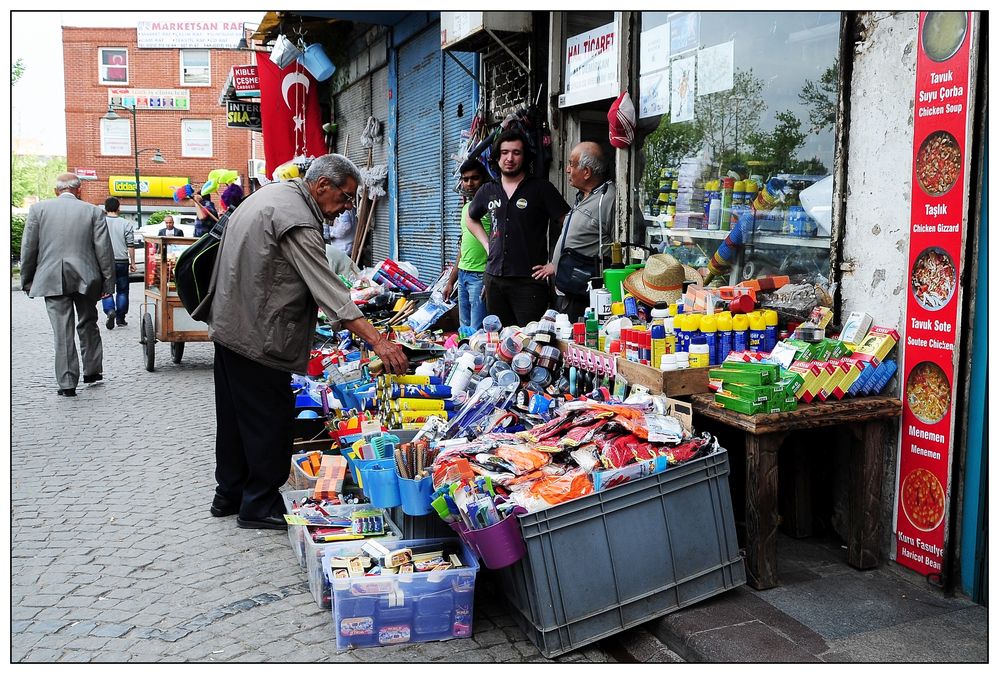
(588, 171)
(66, 257)
(270, 278)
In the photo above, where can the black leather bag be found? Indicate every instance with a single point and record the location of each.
(574, 271)
(193, 272)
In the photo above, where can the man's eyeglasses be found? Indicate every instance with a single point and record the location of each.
(349, 198)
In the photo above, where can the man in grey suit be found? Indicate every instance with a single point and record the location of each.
(66, 257)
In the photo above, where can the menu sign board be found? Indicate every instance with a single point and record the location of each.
(932, 324)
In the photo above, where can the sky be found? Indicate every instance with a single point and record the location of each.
(36, 38)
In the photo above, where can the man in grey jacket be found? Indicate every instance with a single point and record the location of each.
(66, 258)
(270, 278)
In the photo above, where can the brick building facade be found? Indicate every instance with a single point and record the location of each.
(87, 102)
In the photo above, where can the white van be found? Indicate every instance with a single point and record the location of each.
(183, 221)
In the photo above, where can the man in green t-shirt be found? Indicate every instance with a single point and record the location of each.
(468, 272)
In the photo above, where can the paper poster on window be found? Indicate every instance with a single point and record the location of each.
(655, 49)
(682, 90)
(116, 137)
(684, 32)
(196, 138)
(716, 68)
(654, 90)
(591, 66)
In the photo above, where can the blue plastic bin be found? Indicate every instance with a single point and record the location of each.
(416, 495)
(380, 483)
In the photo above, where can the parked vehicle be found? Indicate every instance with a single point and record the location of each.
(183, 222)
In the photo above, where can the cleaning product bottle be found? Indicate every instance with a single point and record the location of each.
(770, 340)
(725, 218)
(600, 298)
(670, 335)
(682, 360)
(709, 328)
(667, 362)
(757, 331)
(698, 354)
(740, 336)
(630, 306)
(657, 334)
(592, 333)
(692, 324)
(724, 338)
(645, 348)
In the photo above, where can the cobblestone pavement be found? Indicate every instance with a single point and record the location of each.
(114, 556)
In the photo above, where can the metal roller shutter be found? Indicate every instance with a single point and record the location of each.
(379, 236)
(458, 88)
(421, 239)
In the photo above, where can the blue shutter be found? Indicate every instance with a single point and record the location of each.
(421, 239)
(458, 88)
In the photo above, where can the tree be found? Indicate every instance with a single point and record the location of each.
(16, 71)
(31, 175)
(665, 147)
(779, 147)
(822, 99)
(722, 115)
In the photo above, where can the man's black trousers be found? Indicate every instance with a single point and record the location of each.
(516, 300)
(254, 407)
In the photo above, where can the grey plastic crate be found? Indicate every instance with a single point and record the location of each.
(601, 564)
(421, 526)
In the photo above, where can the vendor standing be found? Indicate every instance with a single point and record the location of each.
(270, 278)
(526, 213)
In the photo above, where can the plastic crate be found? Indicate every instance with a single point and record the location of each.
(421, 526)
(604, 563)
(297, 533)
(393, 609)
(319, 586)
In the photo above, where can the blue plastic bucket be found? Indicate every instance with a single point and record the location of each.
(381, 483)
(416, 495)
(316, 62)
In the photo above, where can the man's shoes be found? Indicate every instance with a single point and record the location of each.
(92, 378)
(223, 507)
(269, 522)
(121, 323)
(68, 392)
(110, 322)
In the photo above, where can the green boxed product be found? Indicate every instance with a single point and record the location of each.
(772, 370)
(791, 381)
(740, 376)
(838, 349)
(803, 350)
(757, 394)
(822, 350)
(735, 404)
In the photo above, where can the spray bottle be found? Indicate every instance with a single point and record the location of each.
(770, 340)
(740, 336)
(757, 331)
(723, 342)
(709, 327)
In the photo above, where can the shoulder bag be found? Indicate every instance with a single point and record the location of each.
(193, 274)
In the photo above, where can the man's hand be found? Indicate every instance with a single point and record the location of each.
(543, 271)
(392, 356)
(448, 289)
(131, 265)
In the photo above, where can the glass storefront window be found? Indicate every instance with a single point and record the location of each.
(737, 116)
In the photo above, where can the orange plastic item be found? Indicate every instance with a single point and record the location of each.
(556, 489)
(766, 283)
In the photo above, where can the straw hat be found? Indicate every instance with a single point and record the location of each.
(691, 274)
(660, 281)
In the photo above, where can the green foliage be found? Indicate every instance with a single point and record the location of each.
(31, 175)
(16, 232)
(665, 147)
(822, 98)
(16, 71)
(157, 217)
(726, 118)
(778, 147)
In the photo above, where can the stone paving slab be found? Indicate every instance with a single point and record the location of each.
(114, 556)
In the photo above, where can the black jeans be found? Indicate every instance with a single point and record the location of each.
(254, 407)
(516, 300)
(573, 305)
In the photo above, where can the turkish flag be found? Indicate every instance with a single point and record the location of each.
(289, 113)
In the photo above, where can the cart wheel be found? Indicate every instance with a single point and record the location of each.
(176, 351)
(149, 342)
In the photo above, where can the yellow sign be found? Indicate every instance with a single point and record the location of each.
(149, 186)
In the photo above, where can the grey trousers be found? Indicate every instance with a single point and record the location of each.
(61, 315)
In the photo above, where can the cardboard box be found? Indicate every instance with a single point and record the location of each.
(755, 374)
(858, 386)
(838, 349)
(826, 371)
(856, 327)
(736, 404)
(840, 368)
(756, 394)
(823, 350)
(880, 378)
(852, 370)
(791, 381)
(811, 372)
(877, 345)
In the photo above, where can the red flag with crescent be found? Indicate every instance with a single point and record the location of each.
(289, 113)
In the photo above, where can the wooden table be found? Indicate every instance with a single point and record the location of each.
(868, 419)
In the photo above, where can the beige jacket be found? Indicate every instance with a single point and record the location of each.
(262, 307)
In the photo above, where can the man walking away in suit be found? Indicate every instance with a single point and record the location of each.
(122, 233)
(66, 257)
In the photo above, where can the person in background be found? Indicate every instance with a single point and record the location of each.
(526, 214)
(66, 257)
(207, 214)
(122, 233)
(470, 267)
(588, 171)
(169, 229)
(269, 280)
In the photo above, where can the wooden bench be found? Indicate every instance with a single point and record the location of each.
(869, 421)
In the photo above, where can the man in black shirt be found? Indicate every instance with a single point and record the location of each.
(527, 214)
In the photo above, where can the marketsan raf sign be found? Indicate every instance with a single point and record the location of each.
(938, 225)
(191, 34)
(242, 115)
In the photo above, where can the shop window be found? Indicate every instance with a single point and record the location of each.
(195, 67)
(196, 137)
(116, 137)
(113, 65)
(737, 108)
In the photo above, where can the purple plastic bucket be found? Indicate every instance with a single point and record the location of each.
(500, 545)
(463, 533)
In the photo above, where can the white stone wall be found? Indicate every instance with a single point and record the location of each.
(879, 169)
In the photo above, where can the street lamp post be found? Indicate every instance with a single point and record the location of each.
(158, 158)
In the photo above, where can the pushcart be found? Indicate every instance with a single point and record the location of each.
(164, 317)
